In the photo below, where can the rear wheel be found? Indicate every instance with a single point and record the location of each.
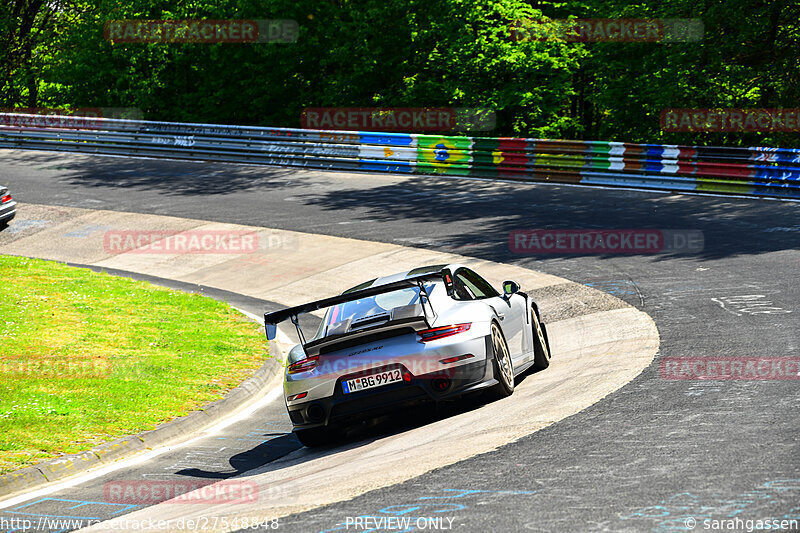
(541, 346)
(315, 437)
(503, 368)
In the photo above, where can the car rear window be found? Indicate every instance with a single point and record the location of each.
(374, 306)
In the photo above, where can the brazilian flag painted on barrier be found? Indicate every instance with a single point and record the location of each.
(444, 154)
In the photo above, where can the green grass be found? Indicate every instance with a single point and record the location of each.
(86, 358)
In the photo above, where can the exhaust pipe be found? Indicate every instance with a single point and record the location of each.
(315, 413)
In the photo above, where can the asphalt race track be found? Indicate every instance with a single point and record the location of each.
(645, 458)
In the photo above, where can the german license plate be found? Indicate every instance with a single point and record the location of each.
(371, 381)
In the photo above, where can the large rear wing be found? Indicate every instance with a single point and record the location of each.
(271, 320)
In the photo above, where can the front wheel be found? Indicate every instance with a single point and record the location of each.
(501, 359)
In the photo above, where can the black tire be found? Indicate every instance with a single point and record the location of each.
(315, 437)
(501, 363)
(541, 345)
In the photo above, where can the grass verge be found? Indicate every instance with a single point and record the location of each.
(86, 358)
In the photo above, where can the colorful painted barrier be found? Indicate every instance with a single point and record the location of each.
(756, 171)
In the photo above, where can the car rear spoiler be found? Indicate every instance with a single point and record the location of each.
(271, 320)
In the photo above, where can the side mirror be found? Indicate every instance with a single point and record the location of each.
(509, 288)
(272, 331)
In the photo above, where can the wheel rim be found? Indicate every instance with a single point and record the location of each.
(502, 356)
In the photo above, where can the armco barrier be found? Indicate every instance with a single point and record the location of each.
(759, 171)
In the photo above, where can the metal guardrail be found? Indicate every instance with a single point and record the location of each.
(758, 171)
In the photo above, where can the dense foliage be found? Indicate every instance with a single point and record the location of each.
(411, 54)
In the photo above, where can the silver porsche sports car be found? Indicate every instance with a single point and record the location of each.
(431, 334)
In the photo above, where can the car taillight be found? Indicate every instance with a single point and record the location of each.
(294, 397)
(441, 332)
(304, 365)
(6, 198)
(456, 358)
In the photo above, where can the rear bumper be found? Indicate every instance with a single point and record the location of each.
(416, 357)
(8, 210)
(341, 408)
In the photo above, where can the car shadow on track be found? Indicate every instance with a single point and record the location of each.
(280, 445)
(357, 435)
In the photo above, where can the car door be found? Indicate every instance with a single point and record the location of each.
(511, 312)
